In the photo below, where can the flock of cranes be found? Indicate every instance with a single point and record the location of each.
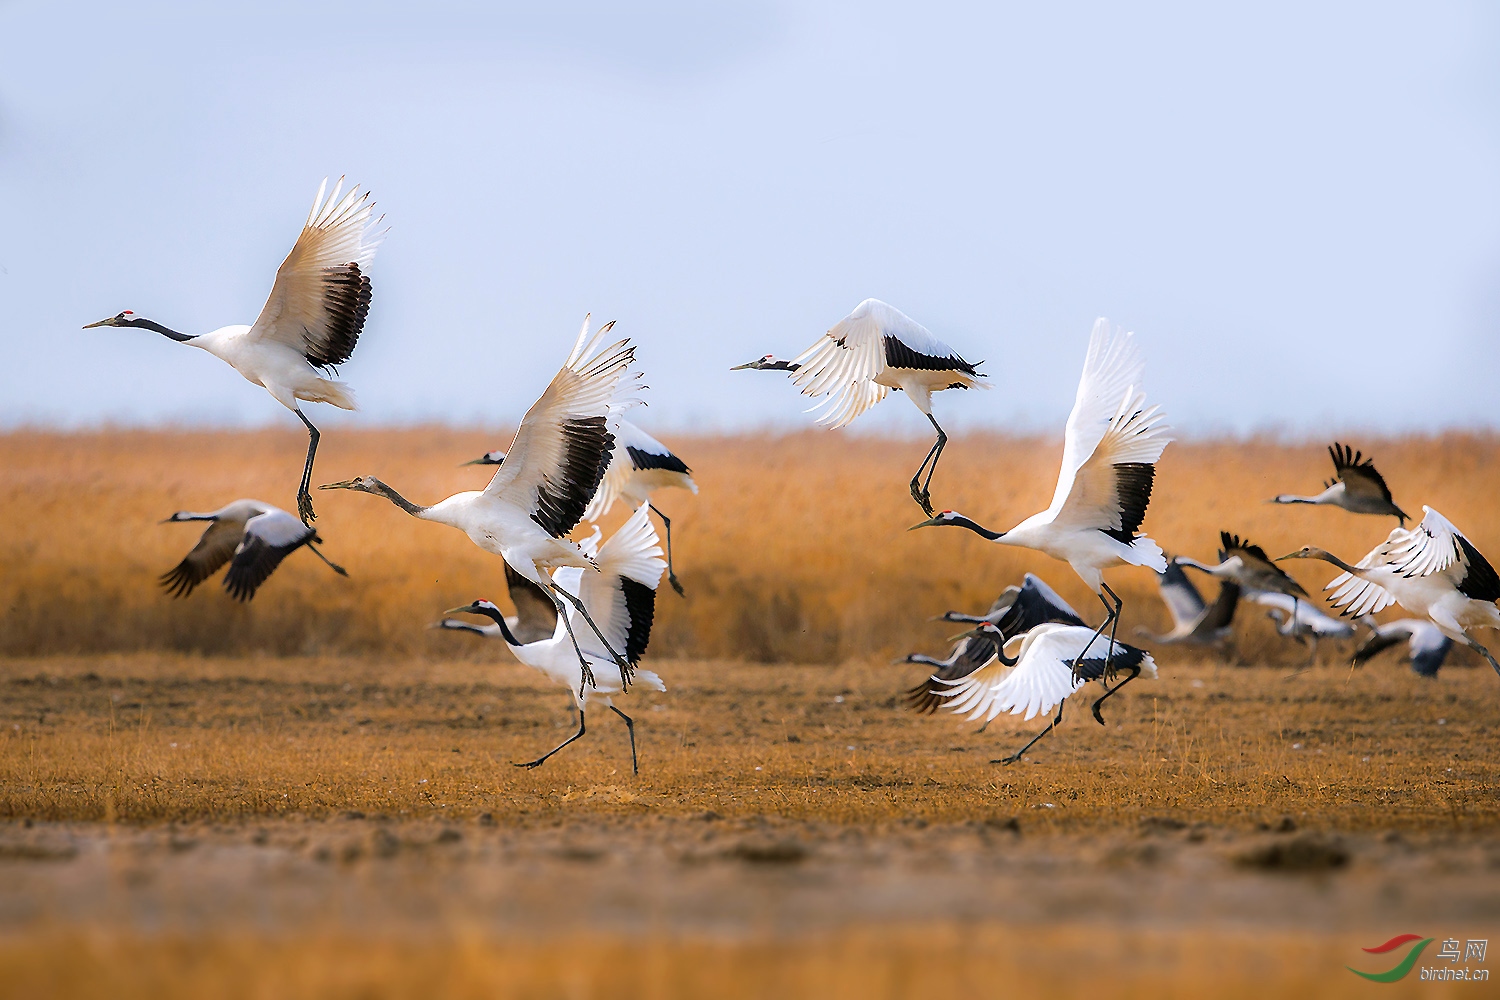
(584, 609)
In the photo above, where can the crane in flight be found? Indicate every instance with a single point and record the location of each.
(1110, 450)
(551, 472)
(252, 536)
(873, 350)
(1355, 487)
(311, 322)
(621, 595)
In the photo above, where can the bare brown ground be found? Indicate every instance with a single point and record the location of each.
(353, 827)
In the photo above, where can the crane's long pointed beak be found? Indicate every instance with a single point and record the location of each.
(1289, 555)
(467, 609)
(347, 484)
(747, 364)
(925, 524)
(107, 321)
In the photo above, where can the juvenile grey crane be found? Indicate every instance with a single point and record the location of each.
(639, 465)
(873, 350)
(310, 324)
(1355, 486)
(1426, 645)
(1248, 565)
(1054, 662)
(1110, 450)
(554, 465)
(1430, 570)
(252, 536)
(1302, 621)
(1194, 623)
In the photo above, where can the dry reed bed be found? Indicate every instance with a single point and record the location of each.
(795, 550)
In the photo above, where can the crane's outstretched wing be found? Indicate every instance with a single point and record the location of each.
(843, 364)
(536, 615)
(1358, 474)
(268, 539)
(1436, 546)
(213, 550)
(971, 653)
(553, 466)
(621, 597)
(1113, 441)
(321, 297)
(637, 453)
(1180, 596)
(1220, 614)
(1354, 596)
(1044, 675)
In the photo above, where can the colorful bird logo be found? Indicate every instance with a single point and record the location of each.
(1402, 967)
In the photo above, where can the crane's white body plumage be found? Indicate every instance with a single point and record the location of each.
(855, 366)
(631, 553)
(1426, 569)
(639, 465)
(1294, 617)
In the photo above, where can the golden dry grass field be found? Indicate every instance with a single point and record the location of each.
(312, 795)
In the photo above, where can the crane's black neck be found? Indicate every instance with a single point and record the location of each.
(151, 324)
(494, 615)
(415, 510)
(974, 526)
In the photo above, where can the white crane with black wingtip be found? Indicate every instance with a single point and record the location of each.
(1355, 486)
(311, 322)
(1110, 451)
(1054, 662)
(551, 471)
(873, 350)
(1194, 622)
(621, 596)
(639, 465)
(252, 536)
(1426, 645)
(1016, 610)
(1430, 570)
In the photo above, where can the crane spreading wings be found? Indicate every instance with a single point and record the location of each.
(321, 296)
(1112, 443)
(1434, 546)
(268, 539)
(845, 361)
(555, 463)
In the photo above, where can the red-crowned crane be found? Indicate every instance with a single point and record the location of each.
(310, 324)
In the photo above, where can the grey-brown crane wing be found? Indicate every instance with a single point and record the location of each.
(213, 550)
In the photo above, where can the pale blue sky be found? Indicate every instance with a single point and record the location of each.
(1296, 206)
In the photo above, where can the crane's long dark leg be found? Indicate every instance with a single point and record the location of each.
(1111, 613)
(304, 497)
(542, 759)
(341, 571)
(635, 765)
(1110, 691)
(626, 670)
(666, 523)
(1478, 648)
(1050, 726)
(562, 612)
(1114, 625)
(921, 494)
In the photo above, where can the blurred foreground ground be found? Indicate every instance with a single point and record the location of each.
(353, 827)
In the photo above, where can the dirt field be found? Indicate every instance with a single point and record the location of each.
(186, 826)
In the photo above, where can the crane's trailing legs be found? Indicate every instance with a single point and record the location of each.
(341, 571)
(1112, 620)
(920, 491)
(626, 670)
(543, 758)
(635, 766)
(666, 523)
(304, 495)
(1029, 743)
(1110, 691)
